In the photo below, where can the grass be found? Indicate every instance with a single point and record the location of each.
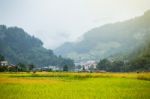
(56, 85)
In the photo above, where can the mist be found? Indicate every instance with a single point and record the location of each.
(56, 22)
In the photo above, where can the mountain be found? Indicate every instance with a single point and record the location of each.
(141, 58)
(18, 46)
(115, 40)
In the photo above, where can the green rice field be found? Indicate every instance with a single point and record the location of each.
(61, 85)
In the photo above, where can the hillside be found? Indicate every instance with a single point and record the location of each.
(116, 40)
(18, 46)
(141, 58)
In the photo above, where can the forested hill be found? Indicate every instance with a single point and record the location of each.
(115, 40)
(141, 58)
(18, 46)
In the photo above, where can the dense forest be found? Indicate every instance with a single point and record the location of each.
(141, 57)
(19, 47)
(138, 60)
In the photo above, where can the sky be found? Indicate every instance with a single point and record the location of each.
(59, 21)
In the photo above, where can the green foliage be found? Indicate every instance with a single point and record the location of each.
(104, 64)
(17, 46)
(114, 66)
(31, 66)
(2, 58)
(3, 68)
(65, 68)
(117, 66)
(21, 67)
(140, 60)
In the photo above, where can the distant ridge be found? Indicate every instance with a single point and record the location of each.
(109, 41)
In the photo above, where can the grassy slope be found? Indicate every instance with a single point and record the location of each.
(74, 86)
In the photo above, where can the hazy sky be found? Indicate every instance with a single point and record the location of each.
(57, 21)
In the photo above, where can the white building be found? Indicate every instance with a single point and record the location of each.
(90, 65)
(53, 68)
(3, 63)
(87, 65)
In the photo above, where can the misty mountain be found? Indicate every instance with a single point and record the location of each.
(19, 47)
(115, 40)
(140, 59)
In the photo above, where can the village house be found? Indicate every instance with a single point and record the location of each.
(3, 63)
(54, 68)
(87, 65)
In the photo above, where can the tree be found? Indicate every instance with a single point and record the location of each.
(91, 68)
(21, 67)
(65, 68)
(2, 58)
(83, 68)
(31, 66)
(117, 66)
(104, 64)
(68, 62)
(3, 68)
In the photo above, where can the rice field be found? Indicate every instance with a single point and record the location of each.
(61, 85)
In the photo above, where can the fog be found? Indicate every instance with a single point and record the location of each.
(58, 21)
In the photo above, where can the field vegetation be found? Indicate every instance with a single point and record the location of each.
(64, 85)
